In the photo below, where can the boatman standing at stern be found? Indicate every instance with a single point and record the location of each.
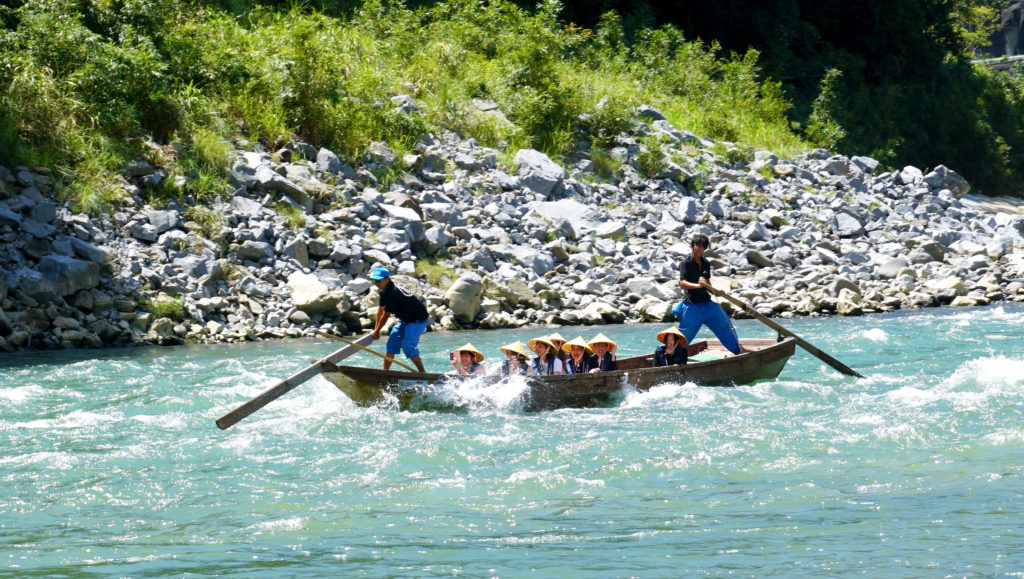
(697, 309)
(412, 319)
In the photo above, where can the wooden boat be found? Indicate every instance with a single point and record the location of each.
(710, 365)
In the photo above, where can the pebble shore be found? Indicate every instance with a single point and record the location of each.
(492, 242)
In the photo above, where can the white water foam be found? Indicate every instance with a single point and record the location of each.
(876, 335)
(993, 373)
(292, 524)
(21, 394)
(54, 460)
(75, 419)
(686, 394)
(480, 393)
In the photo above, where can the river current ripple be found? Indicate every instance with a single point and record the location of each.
(112, 464)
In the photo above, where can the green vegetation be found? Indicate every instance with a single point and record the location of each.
(86, 86)
(209, 223)
(651, 157)
(294, 217)
(605, 165)
(436, 274)
(164, 306)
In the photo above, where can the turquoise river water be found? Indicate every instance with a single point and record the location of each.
(112, 466)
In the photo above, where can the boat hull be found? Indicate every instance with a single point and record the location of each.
(764, 360)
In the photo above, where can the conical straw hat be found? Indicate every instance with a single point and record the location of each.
(541, 340)
(577, 341)
(680, 338)
(602, 339)
(469, 348)
(515, 348)
(556, 339)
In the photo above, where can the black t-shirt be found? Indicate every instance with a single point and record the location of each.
(402, 304)
(692, 273)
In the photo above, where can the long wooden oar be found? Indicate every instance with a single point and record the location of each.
(279, 389)
(374, 352)
(843, 368)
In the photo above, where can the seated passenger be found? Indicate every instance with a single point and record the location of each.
(546, 362)
(604, 349)
(517, 360)
(467, 361)
(581, 357)
(673, 350)
(558, 341)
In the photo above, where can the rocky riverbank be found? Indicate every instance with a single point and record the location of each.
(492, 244)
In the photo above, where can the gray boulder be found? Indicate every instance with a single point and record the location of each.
(311, 295)
(268, 180)
(654, 309)
(538, 172)
(89, 251)
(847, 225)
(891, 268)
(327, 162)
(68, 275)
(539, 262)
(245, 207)
(688, 209)
(255, 250)
(144, 232)
(163, 220)
(464, 297)
(910, 175)
(942, 177)
(650, 113)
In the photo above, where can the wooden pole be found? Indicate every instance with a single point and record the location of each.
(843, 368)
(286, 385)
(374, 352)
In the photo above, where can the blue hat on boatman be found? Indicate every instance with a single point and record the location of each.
(380, 273)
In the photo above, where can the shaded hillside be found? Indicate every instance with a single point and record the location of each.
(906, 94)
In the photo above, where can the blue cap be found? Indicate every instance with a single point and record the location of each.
(380, 273)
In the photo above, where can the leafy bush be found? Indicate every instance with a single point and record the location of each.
(211, 223)
(294, 218)
(85, 85)
(605, 165)
(437, 275)
(651, 157)
(164, 306)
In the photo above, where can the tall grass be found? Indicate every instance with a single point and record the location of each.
(80, 76)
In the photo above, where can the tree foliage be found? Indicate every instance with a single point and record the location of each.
(903, 91)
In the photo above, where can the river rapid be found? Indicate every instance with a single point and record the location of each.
(112, 464)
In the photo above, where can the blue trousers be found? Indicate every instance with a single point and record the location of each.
(692, 316)
(405, 336)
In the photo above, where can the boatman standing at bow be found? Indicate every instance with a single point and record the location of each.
(412, 319)
(697, 309)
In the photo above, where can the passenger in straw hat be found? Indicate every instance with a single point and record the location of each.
(672, 352)
(546, 361)
(558, 341)
(581, 356)
(517, 360)
(604, 349)
(466, 360)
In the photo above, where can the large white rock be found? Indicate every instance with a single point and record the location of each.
(654, 309)
(311, 295)
(464, 297)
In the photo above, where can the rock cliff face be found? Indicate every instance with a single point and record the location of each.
(287, 252)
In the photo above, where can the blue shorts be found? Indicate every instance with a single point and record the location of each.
(692, 316)
(405, 336)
